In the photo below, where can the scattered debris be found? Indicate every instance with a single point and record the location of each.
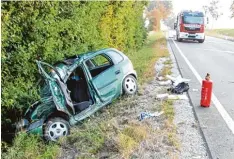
(175, 97)
(160, 78)
(177, 80)
(145, 115)
(180, 88)
(162, 96)
(178, 84)
(172, 97)
(164, 83)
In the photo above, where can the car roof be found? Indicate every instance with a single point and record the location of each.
(80, 57)
(63, 66)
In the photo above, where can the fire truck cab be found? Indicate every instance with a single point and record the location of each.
(190, 25)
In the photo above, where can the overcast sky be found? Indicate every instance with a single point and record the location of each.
(223, 22)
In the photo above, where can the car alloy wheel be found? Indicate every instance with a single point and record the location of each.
(130, 85)
(56, 128)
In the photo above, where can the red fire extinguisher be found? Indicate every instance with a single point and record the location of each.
(206, 91)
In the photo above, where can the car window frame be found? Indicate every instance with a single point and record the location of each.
(109, 52)
(105, 55)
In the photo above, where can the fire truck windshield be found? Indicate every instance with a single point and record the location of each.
(193, 20)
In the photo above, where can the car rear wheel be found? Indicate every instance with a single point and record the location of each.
(130, 85)
(56, 128)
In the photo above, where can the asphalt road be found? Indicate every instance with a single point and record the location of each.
(214, 56)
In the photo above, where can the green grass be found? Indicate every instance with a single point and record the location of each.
(88, 138)
(130, 138)
(218, 32)
(167, 107)
(31, 147)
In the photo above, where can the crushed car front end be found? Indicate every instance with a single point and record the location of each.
(35, 116)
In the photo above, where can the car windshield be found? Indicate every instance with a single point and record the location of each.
(193, 20)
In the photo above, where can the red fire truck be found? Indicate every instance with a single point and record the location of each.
(190, 25)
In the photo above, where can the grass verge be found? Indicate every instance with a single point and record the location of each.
(166, 71)
(144, 59)
(167, 107)
(220, 32)
(130, 138)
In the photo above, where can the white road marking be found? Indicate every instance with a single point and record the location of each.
(229, 121)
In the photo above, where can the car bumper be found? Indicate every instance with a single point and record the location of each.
(34, 127)
(198, 36)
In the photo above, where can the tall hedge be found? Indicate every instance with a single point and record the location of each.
(52, 30)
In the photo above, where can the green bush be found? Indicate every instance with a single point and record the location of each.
(51, 31)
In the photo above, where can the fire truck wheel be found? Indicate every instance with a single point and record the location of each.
(178, 39)
(201, 41)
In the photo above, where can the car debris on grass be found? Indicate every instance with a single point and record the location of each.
(145, 115)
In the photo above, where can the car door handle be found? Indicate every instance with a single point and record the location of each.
(117, 72)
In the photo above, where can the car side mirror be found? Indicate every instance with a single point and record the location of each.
(175, 26)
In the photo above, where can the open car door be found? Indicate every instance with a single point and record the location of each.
(58, 88)
(104, 77)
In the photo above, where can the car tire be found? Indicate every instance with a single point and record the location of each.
(178, 39)
(55, 128)
(201, 41)
(130, 85)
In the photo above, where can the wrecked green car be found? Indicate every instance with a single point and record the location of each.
(76, 88)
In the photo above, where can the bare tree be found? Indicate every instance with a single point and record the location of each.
(212, 8)
(206, 9)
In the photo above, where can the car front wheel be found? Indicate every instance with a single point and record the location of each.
(130, 85)
(56, 128)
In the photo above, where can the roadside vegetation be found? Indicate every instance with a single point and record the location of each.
(145, 60)
(167, 108)
(29, 147)
(220, 32)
